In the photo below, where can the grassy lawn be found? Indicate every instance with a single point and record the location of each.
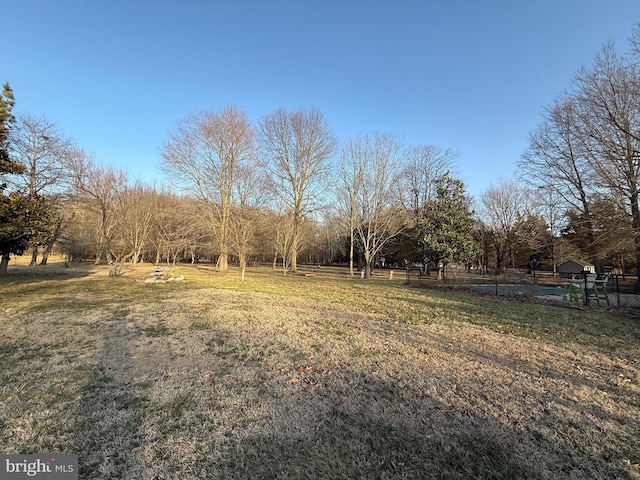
(311, 377)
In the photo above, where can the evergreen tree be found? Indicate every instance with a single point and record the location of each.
(6, 122)
(446, 226)
(23, 218)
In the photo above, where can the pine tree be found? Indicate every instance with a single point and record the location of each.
(22, 217)
(6, 122)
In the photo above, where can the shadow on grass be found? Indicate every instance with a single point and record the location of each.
(370, 430)
(110, 411)
(356, 446)
(592, 419)
(41, 278)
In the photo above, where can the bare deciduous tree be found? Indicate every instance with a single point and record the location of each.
(295, 148)
(376, 161)
(503, 207)
(246, 215)
(351, 176)
(557, 156)
(608, 95)
(589, 145)
(425, 164)
(137, 218)
(178, 228)
(284, 241)
(40, 146)
(97, 187)
(204, 155)
(557, 161)
(547, 203)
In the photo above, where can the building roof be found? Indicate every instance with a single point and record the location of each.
(582, 264)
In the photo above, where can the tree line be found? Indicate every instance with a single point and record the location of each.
(285, 190)
(583, 160)
(267, 192)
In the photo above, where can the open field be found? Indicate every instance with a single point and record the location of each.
(311, 377)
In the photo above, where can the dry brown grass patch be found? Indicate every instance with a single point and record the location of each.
(283, 377)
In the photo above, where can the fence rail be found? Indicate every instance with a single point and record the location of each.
(619, 290)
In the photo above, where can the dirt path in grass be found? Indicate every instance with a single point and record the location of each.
(110, 409)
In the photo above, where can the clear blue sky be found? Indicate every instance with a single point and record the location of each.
(468, 75)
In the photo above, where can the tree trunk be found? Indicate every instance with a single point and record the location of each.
(588, 231)
(223, 258)
(367, 264)
(34, 256)
(4, 263)
(294, 256)
(53, 240)
(99, 252)
(45, 254)
(635, 222)
(294, 243)
(351, 253)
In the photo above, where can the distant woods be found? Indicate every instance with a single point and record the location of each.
(286, 191)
